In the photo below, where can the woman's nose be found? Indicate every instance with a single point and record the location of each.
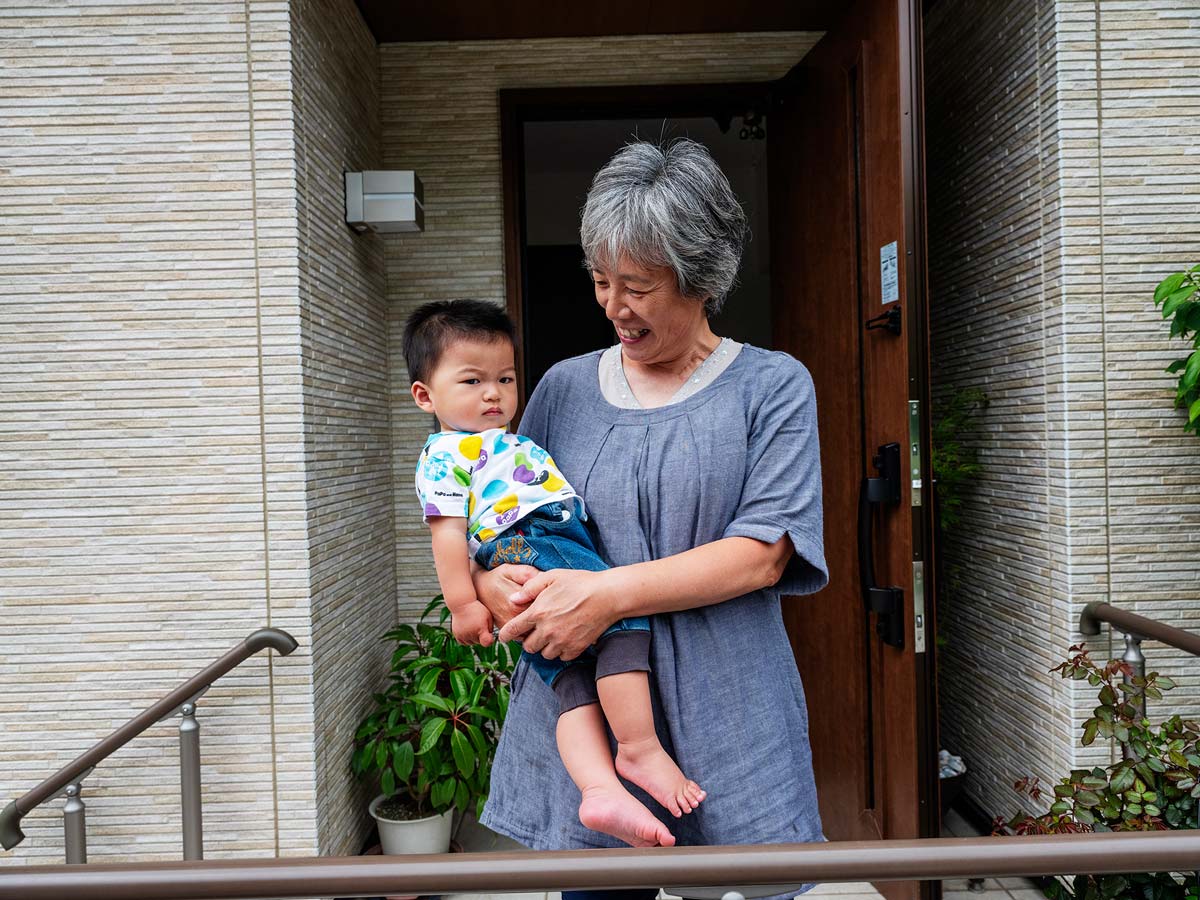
(613, 307)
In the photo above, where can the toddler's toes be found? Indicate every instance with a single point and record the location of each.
(694, 793)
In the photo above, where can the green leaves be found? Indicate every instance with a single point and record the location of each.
(1176, 299)
(464, 755)
(1179, 296)
(403, 757)
(431, 736)
(1156, 786)
(430, 732)
(1168, 286)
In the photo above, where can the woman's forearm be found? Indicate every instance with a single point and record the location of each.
(711, 573)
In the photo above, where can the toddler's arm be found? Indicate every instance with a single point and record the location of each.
(469, 619)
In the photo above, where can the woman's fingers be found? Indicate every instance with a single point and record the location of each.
(531, 586)
(494, 588)
(518, 627)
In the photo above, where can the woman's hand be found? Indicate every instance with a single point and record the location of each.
(496, 587)
(571, 612)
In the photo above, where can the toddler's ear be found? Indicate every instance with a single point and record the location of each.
(422, 397)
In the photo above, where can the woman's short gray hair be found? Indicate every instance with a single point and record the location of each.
(668, 206)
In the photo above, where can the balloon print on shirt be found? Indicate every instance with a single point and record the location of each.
(470, 447)
(507, 510)
(494, 489)
(524, 472)
(437, 465)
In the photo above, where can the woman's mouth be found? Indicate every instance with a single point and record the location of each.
(630, 335)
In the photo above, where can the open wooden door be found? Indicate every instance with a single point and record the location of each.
(847, 231)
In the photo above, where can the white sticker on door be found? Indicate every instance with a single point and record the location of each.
(889, 273)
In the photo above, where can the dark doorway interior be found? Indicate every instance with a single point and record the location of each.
(560, 316)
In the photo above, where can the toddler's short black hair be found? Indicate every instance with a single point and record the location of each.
(432, 326)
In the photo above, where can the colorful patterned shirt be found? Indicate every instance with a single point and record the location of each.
(493, 479)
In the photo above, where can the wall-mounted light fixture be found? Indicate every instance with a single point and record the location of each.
(386, 202)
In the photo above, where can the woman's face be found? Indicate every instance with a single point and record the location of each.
(654, 322)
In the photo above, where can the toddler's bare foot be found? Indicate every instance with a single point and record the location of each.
(615, 811)
(647, 765)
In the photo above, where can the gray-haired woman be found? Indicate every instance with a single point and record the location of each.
(699, 462)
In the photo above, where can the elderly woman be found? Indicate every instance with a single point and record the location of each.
(698, 460)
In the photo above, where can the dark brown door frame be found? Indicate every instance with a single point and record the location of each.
(859, 148)
(518, 106)
(912, 101)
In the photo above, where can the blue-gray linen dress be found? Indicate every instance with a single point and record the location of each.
(738, 458)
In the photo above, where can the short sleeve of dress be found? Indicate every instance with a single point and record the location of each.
(443, 478)
(781, 493)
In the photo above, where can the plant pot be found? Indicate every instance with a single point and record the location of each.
(428, 835)
(950, 788)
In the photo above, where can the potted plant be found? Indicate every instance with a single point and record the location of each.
(1155, 786)
(431, 737)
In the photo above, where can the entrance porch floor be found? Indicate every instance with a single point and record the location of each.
(476, 838)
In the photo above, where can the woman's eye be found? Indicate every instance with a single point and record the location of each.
(633, 293)
(601, 284)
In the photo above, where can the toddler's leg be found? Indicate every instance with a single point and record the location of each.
(606, 807)
(625, 698)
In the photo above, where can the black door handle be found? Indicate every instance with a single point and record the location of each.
(886, 602)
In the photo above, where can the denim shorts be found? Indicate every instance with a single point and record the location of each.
(546, 540)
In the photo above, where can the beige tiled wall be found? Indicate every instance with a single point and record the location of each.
(194, 440)
(347, 444)
(152, 490)
(1148, 162)
(1063, 183)
(441, 117)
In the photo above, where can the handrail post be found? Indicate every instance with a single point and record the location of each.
(189, 782)
(1137, 661)
(75, 824)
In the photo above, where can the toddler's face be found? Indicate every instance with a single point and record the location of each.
(473, 388)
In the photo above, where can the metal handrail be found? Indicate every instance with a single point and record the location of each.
(1138, 626)
(183, 699)
(779, 864)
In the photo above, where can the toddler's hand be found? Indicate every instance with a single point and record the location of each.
(472, 625)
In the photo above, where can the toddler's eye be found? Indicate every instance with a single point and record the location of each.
(507, 379)
(471, 381)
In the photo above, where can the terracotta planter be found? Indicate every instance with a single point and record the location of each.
(428, 835)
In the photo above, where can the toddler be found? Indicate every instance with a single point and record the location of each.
(499, 498)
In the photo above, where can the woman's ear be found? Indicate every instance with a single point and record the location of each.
(422, 397)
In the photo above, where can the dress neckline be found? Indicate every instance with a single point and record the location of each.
(615, 389)
(611, 413)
